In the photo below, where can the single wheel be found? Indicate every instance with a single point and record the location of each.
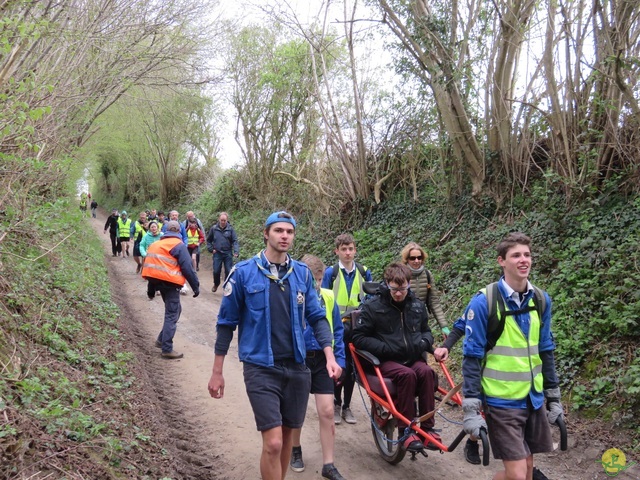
(385, 433)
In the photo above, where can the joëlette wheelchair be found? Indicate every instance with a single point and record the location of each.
(385, 417)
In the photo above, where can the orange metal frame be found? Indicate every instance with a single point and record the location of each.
(387, 401)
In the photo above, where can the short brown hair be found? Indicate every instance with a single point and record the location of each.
(397, 273)
(511, 240)
(407, 249)
(344, 239)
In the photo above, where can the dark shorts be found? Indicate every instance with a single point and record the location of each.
(124, 239)
(516, 433)
(278, 394)
(136, 249)
(321, 382)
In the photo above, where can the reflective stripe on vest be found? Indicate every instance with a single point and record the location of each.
(344, 300)
(123, 228)
(514, 366)
(160, 264)
(193, 238)
(328, 303)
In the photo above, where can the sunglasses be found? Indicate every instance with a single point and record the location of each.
(419, 257)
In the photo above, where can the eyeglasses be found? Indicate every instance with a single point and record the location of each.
(398, 289)
(419, 257)
(284, 215)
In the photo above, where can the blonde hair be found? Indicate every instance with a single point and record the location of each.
(407, 249)
(314, 263)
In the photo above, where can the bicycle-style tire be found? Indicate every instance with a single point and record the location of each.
(386, 438)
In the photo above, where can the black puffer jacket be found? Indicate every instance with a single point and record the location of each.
(391, 331)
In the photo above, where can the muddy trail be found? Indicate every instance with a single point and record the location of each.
(217, 439)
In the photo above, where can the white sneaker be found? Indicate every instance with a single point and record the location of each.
(348, 416)
(337, 419)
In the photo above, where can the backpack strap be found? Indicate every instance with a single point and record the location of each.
(336, 268)
(495, 302)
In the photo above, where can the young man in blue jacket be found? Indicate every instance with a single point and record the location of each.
(510, 376)
(271, 298)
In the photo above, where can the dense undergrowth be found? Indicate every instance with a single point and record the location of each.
(70, 406)
(587, 256)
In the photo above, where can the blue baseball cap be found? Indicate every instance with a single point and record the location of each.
(281, 216)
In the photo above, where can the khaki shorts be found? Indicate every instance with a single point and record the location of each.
(517, 433)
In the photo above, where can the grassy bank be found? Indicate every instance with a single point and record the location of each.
(70, 403)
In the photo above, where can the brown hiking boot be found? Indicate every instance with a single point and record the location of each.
(172, 355)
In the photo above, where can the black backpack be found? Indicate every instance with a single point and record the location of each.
(495, 325)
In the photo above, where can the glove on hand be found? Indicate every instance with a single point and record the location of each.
(473, 421)
(554, 407)
(446, 331)
(195, 294)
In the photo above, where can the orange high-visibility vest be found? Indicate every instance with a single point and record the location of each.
(160, 264)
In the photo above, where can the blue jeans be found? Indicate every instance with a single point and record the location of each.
(172, 311)
(220, 258)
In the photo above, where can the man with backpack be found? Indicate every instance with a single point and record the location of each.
(508, 365)
(346, 278)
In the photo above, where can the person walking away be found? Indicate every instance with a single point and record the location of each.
(393, 326)
(83, 203)
(167, 268)
(112, 225)
(94, 207)
(192, 216)
(195, 237)
(321, 385)
(124, 232)
(414, 256)
(270, 298)
(137, 232)
(222, 241)
(511, 375)
(345, 278)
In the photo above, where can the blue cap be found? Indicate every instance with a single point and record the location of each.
(281, 216)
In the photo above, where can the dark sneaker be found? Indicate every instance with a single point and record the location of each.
(472, 452)
(296, 463)
(214, 289)
(172, 355)
(433, 446)
(158, 344)
(331, 472)
(337, 419)
(347, 414)
(538, 475)
(413, 443)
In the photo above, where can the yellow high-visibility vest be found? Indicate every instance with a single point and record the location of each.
(514, 366)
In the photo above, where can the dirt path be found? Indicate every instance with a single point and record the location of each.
(218, 438)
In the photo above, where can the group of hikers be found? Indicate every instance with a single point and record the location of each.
(292, 340)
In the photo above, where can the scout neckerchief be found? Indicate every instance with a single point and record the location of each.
(268, 274)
